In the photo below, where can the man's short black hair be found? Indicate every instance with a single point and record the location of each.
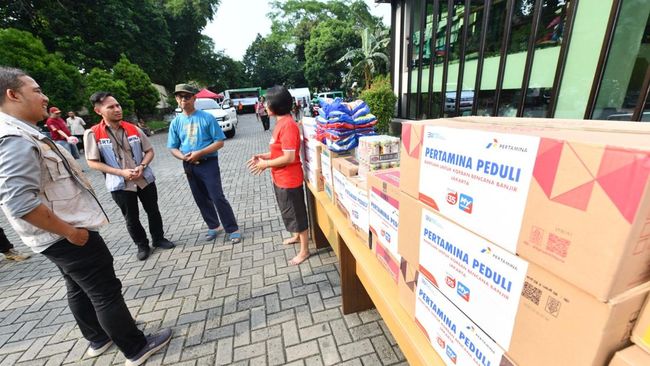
(10, 79)
(279, 100)
(98, 98)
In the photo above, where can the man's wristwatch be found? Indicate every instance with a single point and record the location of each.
(143, 165)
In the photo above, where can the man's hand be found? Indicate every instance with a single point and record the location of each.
(78, 237)
(127, 174)
(137, 172)
(193, 157)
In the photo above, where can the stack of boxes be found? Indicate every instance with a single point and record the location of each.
(523, 245)
(377, 152)
(639, 353)
(310, 154)
(384, 196)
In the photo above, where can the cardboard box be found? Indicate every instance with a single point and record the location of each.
(641, 332)
(314, 177)
(358, 206)
(311, 153)
(554, 322)
(631, 356)
(540, 192)
(378, 148)
(406, 284)
(340, 198)
(349, 165)
(474, 274)
(327, 166)
(383, 194)
(308, 127)
(457, 339)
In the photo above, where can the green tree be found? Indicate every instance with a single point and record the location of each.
(61, 82)
(294, 23)
(268, 62)
(330, 40)
(162, 36)
(185, 21)
(371, 58)
(102, 80)
(92, 33)
(141, 91)
(381, 99)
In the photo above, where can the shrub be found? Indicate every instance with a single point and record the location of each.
(381, 100)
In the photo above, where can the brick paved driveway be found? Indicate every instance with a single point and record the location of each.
(227, 304)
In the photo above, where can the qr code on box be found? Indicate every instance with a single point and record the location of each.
(553, 306)
(558, 245)
(532, 293)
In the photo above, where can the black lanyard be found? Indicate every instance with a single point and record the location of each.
(110, 132)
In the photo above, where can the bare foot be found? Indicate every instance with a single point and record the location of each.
(292, 240)
(299, 259)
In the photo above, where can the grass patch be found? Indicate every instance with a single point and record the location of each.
(155, 125)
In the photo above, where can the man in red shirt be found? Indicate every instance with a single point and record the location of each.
(60, 132)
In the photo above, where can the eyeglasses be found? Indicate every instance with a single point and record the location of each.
(185, 96)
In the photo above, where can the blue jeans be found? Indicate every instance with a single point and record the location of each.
(72, 148)
(205, 182)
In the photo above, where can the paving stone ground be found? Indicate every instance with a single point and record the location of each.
(227, 305)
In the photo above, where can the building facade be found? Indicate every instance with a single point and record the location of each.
(527, 58)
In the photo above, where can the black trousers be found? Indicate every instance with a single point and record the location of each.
(128, 203)
(95, 293)
(265, 122)
(5, 245)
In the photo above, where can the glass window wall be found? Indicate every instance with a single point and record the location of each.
(492, 57)
(627, 63)
(547, 52)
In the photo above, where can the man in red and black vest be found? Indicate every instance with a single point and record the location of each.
(123, 153)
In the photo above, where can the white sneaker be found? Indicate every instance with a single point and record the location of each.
(96, 349)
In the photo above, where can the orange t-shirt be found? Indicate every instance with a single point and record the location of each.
(286, 137)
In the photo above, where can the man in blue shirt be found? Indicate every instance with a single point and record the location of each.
(195, 137)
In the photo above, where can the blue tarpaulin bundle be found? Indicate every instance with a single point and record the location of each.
(340, 124)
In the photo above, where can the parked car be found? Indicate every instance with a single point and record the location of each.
(225, 113)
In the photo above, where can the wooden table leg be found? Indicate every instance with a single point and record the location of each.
(314, 230)
(353, 294)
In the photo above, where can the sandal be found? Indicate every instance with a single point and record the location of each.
(235, 237)
(212, 234)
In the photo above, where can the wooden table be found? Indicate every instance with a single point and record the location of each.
(364, 281)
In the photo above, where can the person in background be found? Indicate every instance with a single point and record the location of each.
(195, 137)
(262, 114)
(60, 132)
(240, 108)
(297, 110)
(77, 128)
(7, 249)
(286, 170)
(123, 153)
(52, 207)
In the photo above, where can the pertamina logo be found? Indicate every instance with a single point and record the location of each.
(505, 146)
(451, 354)
(486, 250)
(466, 203)
(452, 197)
(492, 144)
(463, 291)
(450, 281)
